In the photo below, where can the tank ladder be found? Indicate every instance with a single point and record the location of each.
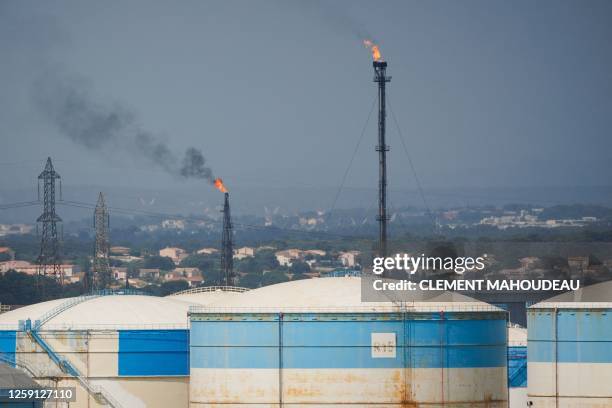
(96, 391)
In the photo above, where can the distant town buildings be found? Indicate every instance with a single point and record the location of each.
(531, 218)
(30, 268)
(15, 229)
(244, 252)
(176, 254)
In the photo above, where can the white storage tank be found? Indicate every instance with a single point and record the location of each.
(314, 343)
(205, 295)
(119, 350)
(570, 349)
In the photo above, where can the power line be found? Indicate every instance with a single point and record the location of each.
(350, 164)
(416, 177)
(19, 205)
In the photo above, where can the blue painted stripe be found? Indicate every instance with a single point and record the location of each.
(347, 344)
(572, 325)
(570, 352)
(8, 346)
(347, 357)
(153, 352)
(582, 336)
(517, 367)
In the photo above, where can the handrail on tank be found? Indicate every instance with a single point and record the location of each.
(206, 289)
(571, 305)
(80, 299)
(397, 308)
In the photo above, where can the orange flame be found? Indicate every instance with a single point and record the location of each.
(376, 55)
(219, 184)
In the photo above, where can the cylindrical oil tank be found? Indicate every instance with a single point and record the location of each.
(570, 349)
(314, 343)
(116, 350)
(517, 366)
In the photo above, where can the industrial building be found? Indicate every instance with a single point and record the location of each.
(314, 343)
(570, 349)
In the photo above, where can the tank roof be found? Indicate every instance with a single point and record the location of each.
(342, 294)
(105, 312)
(517, 336)
(595, 296)
(207, 295)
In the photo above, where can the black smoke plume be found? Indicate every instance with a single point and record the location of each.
(69, 103)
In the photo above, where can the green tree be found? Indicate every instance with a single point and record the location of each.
(160, 262)
(274, 277)
(251, 280)
(168, 288)
(299, 267)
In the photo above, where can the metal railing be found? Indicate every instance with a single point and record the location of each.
(572, 305)
(207, 289)
(60, 308)
(395, 308)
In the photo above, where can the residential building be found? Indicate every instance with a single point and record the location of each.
(348, 258)
(119, 273)
(149, 273)
(244, 252)
(176, 254)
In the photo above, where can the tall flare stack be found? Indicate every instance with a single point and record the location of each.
(380, 76)
(227, 246)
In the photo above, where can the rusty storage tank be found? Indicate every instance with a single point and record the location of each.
(117, 349)
(517, 366)
(314, 343)
(570, 349)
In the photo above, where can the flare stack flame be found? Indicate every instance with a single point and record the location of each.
(220, 186)
(376, 55)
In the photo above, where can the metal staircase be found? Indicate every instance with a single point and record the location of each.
(96, 391)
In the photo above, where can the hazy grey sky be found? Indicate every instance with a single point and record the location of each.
(488, 93)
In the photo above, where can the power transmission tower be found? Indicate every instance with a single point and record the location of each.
(227, 246)
(101, 272)
(49, 259)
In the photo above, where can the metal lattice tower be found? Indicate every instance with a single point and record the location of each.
(227, 246)
(380, 76)
(101, 272)
(49, 260)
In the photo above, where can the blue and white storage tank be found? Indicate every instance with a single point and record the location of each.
(117, 350)
(314, 343)
(570, 349)
(517, 366)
